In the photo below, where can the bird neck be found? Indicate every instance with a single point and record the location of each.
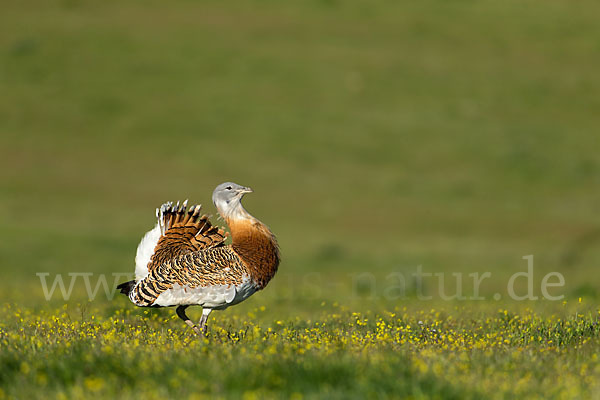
(232, 210)
(256, 245)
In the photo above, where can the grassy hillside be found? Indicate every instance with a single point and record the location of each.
(378, 137)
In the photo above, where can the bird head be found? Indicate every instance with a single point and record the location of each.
(227, 198)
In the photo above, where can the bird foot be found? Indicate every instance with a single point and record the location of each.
(195, 327)
(202, 329)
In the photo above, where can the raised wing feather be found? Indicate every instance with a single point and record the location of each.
(210, 275)
(183, 232)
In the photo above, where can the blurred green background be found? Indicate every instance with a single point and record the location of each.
(378, 136)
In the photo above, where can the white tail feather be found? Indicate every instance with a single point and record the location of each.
(144, 252)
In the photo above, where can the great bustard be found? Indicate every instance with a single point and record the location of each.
(184, 260)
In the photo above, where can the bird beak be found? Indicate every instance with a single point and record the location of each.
(246, 190)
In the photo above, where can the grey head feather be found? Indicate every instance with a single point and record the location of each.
(227, 197)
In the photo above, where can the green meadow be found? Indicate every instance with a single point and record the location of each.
(383, 140)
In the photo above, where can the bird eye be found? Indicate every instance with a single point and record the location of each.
(228, 187)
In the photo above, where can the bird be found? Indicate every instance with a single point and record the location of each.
(184, 260)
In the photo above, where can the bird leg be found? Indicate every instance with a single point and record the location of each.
(202, 322)
(180, 310)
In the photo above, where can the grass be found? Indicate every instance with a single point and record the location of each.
(76, 352)
(458, 136)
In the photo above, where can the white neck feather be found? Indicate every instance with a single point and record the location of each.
(233, 210)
